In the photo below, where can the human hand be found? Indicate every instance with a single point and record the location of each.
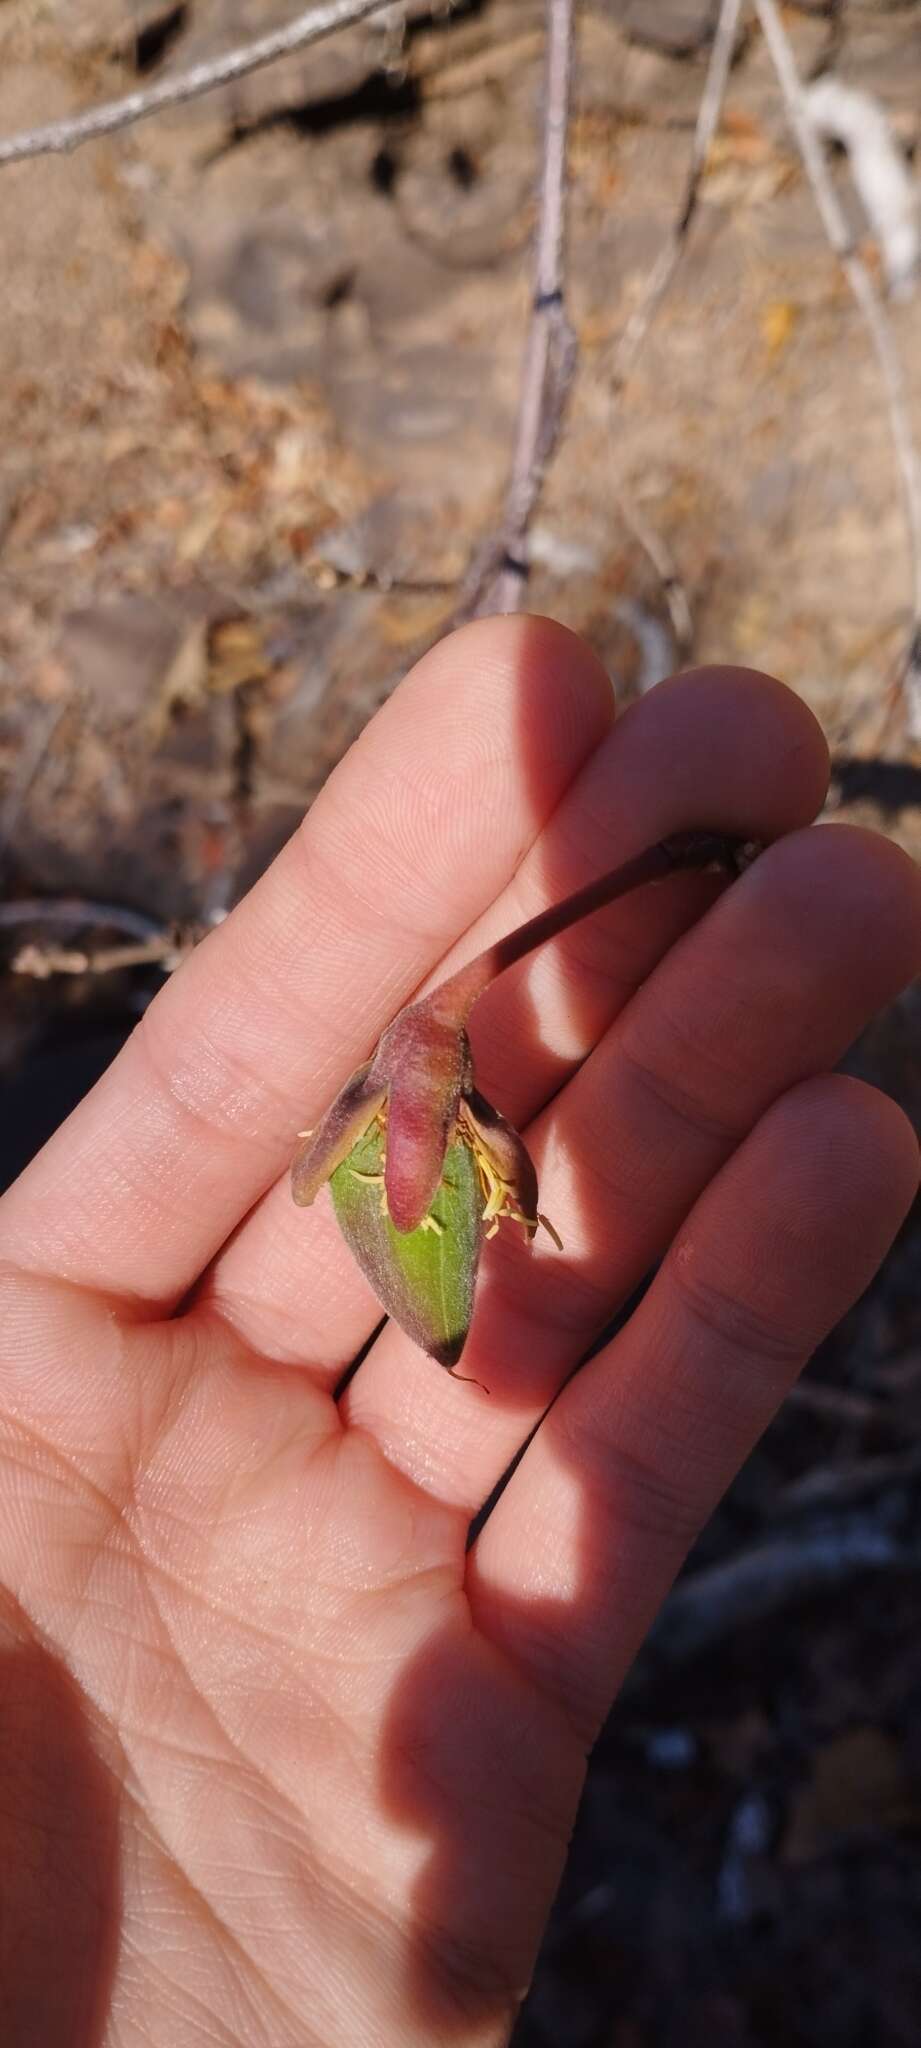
(280, 1760)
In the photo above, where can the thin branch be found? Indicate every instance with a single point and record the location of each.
(146, 941)
(673, 589)
(654, 640)
(58, 137)
(499, 579)
(708, 120)
(167, 952)
(828, 1486)
(657, 285)
(877, 322)
(841, 1404)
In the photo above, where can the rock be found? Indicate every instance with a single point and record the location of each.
(117, 655)
(679, 27)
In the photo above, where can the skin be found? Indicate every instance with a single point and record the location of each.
(280, 1761)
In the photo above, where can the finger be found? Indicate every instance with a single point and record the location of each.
(770, 987)
(619, 1479)
(422, 823)
(718, 746)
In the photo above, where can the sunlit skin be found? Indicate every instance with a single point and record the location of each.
(283, 1761)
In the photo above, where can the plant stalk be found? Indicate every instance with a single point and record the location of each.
(681, 852)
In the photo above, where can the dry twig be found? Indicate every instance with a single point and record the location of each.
(167, 951)
(58, 137)
(673, 590)
(841, 1404)
(500, 575)
(853, 1479)
(767, 1577)
(144, 941)
(654, 291)
(708, 120)
(876, 319)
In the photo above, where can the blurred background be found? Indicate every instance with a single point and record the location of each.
(259, 366)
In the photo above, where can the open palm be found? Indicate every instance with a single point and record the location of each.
(281, 1760)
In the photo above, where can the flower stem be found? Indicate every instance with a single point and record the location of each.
(684, 850)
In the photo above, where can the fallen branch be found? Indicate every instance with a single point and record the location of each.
(145, 942)
(877, 322)
(56, 138)
(500, 574)
(839, 1485)
(841, 1404)
(166, 951)
(762, 1580)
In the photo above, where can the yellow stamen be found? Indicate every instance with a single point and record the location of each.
(499, 1197)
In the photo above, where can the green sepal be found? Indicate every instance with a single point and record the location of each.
(425, 1278)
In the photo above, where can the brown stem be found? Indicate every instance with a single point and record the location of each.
(498, 580)
(455, 998)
